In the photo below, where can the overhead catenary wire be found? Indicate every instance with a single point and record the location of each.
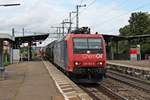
(81, 2)
(110, 19)
(117, 17)
(91, 3)
(86, 7)
(74, 16)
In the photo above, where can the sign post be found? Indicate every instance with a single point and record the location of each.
(138, 52)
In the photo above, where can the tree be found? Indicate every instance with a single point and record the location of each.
(139, 24)
(125, 30)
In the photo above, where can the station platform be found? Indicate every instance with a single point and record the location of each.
(143, 64)
(35, 80)
(139, 69)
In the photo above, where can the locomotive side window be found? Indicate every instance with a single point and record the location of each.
(81, 45)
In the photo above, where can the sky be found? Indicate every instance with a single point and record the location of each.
(103, 16)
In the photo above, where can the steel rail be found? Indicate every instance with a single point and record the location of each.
(91, 94)
(110, 93)
(104, 90)
(132, 81)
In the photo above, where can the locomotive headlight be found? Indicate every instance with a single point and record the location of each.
(99, 63)
(77, 63)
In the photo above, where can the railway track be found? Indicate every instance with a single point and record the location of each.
(109, 89)
(101, 92)
(119, 86)
(129, 80)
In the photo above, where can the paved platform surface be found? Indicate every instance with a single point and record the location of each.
(69, 89)
(28, 81)
(142, 63)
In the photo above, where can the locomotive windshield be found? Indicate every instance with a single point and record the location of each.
(94, 43)
(81, 45)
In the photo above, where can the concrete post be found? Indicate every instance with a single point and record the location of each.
(28, 54)
(11, 52)
(70, 22)
(77, 17)
(2, 68)
(30, 50)
(117, 47)
(112, 52)
(63, 28)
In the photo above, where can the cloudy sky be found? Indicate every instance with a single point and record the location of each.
(103, 16)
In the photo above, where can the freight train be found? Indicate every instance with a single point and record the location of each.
(81, 55)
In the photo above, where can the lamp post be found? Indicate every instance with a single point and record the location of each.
(2, 68)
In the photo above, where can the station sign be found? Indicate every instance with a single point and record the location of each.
(133, 54)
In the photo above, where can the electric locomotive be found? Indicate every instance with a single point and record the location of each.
(81, 55)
